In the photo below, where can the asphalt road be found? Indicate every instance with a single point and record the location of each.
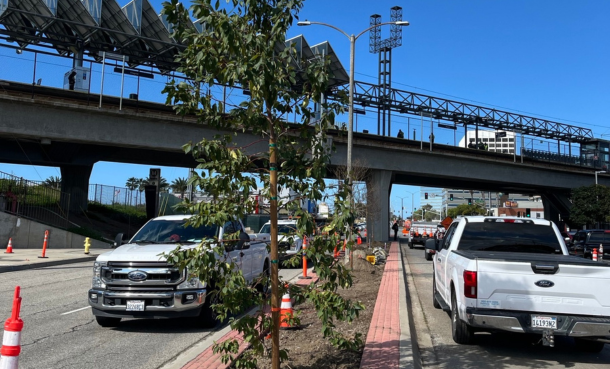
(61, 333)
(498, 351)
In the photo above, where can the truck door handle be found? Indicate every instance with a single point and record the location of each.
(439, 259)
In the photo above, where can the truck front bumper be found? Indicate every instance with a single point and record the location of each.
(515, 321)
(171, 304)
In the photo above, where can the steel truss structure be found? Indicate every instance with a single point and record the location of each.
(405, 102)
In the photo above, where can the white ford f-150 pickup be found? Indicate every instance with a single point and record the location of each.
(515, 275)
(135, 281)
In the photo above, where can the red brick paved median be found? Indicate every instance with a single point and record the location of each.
(382, 348)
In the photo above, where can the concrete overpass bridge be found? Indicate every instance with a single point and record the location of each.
(47, 126)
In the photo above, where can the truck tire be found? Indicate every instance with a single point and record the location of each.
(461, 332)
(207, 316)
(427, 255)
(107, 322)
(434, 302)
(410, 245)
(263, 288)
(588, 346)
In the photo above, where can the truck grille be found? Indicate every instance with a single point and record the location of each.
(158, 274)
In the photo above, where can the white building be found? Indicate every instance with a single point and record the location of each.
(504, 145)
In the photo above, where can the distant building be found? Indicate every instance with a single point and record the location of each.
(504, 145)
(498, 203)
(435, 199)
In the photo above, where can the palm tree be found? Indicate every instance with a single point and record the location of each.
(179, 185)
(53, 182)
(132, 183)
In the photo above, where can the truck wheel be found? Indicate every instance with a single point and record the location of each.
(588, 346)
(107, 322)
(410, 245)
(461, 332)
(427, 255)
(207, 317)
(434, 302)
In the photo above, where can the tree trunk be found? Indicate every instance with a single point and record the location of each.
(275, 300)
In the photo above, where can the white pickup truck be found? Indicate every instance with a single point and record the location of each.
(134, 281)
(515, 275)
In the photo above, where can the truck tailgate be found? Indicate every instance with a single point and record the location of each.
(576, 286)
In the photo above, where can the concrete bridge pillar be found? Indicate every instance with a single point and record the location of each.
(75, 181)
(378, 188)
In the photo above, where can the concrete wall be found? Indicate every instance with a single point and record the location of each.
(27, 234)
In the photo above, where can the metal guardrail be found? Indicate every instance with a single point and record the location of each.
(40, 201)
(561, 158)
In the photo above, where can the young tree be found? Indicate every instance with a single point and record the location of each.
(244, 46)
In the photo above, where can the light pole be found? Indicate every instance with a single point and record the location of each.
(352, 40)
(598, 172)
(402, 206)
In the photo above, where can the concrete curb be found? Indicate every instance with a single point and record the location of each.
(422, 338)
(16, 268)
(406, 343)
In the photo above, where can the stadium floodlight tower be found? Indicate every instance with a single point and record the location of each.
(384, 49)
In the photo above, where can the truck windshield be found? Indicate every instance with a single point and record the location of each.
(509, 237)
(173, 231)
(281, 229)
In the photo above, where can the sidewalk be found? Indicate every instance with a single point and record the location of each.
(21, 259)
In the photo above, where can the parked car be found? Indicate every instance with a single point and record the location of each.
(289, 243)
(586, 240)
(514, 274)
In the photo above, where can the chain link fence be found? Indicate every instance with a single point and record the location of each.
(34, 200)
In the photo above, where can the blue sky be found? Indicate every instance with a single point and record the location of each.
(544, 58)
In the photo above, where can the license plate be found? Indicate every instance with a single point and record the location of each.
(539, 321)
(135, 305)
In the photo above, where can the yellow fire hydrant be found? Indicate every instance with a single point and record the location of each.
(87, 245)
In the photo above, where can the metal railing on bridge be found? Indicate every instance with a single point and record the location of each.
(561, 158)
(39, 201)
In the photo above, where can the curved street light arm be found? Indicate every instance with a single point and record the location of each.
(307, 23)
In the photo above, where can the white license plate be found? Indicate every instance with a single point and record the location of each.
(135, 305)
(539, 321)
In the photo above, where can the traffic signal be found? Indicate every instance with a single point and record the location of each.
(426, 195)
(450, 197)
(528, 213)
(469, 201)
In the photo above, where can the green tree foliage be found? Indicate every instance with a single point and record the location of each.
(243, 46)
(465, 209)
(132, 183)
(53, 181)
(590, 205)
(179, 185)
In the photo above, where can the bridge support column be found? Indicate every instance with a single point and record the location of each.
(75, 181)
(378, 188)
(556, 206)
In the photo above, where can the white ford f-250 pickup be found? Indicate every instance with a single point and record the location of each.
(515, 274)
(134, 281)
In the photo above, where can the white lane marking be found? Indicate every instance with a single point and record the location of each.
(74, 311)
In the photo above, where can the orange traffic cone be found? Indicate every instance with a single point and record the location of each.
(286, 311)
(594, 257)
(9, 248)
(359, 240)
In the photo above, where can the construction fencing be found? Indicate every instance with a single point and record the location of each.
(34, 200)
(116, 196)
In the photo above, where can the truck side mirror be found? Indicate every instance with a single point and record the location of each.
(118, 240)
(244, 241)
(430, 244)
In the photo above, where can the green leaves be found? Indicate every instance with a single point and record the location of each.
(590, 205)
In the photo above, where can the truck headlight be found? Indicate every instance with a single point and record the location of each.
(191, 284)
(97, 282)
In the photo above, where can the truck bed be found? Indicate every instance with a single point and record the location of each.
(525, 257)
